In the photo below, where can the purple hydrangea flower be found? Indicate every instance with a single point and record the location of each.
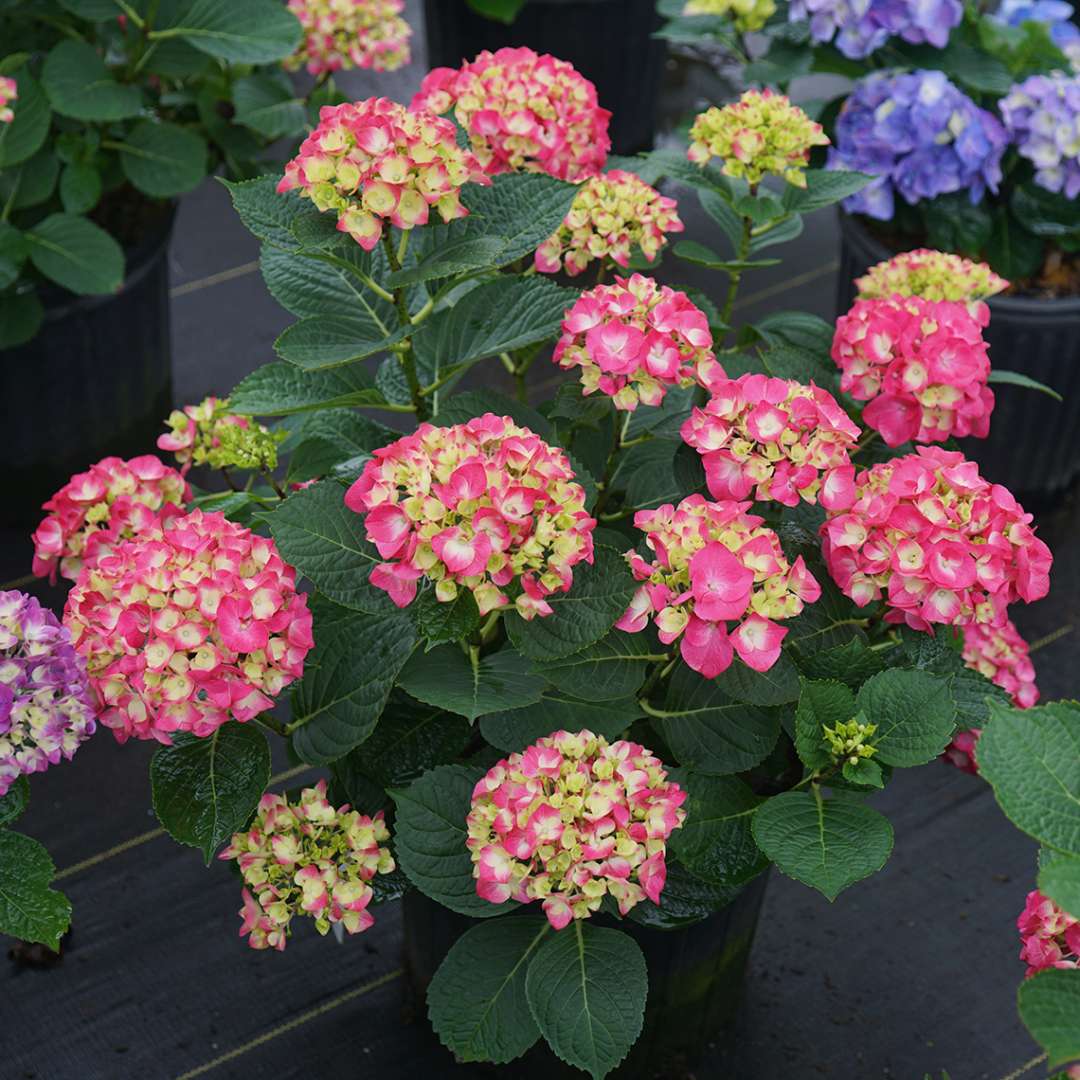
(920, 136)
(862, 26)
(45, 703)
(1057, 15)
(1042, 115)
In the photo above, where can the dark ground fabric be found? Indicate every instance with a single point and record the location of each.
(911, 972)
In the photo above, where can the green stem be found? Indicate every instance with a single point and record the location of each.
(741, 255)
(228, 479)
(404, 349)
(490, 625)
(274, 484)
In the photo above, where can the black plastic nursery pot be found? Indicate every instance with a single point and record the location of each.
(95, 381)
(608, 41)
(1034, 442)
(695, 983)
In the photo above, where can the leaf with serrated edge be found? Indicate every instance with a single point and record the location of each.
(29, 909)
(826, 844)
(586, 988)
(204, 790)
(1050, 1009)
(280, 389)
(430, 835)
(515, 730)
(1060, 880)
(821, 702)
(777, 686)
(476, 1001)
(611, 668)
(914, 713)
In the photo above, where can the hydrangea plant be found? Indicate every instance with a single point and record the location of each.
(599, 659)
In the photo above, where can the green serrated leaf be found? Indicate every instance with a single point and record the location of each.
(204, 790)
(446, 678)
(777, 686)
(914, 712)
(586, 989)
(29, 909)
(266, 103)
(827, 844)
(513, 731)
(334, 340)
(440, 623)
(430, 835)
(319, 535)
(824, 187)
(348, 680)
(162, 159)
(265, 213)
(852, 662)
(607, 670)
(79, 85)
(1031, 758)
(1050, 1009)
(581, 616)
(13, 804)
(1060, 880)
(327, 438)
(476, 1001)
(280, 389)
(457, 257)
(711, 733)
(821, 702)
(76, 254)
(241, 31)
(686, 900)
(463, 407)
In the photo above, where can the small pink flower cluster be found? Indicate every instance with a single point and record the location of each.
(9, 91)
(933, 275)
(716, 564)
(307, 858)
(523, 111)
(194, 622)
(208, 434)
(775, 437)
(921, 364)
(634, 339)
(343, 34)
(1001, 654)
(571, 820)
(939, 542)
(1050, 937)
(610, 215)
(113, 500)
(478, 506)
(375, 161)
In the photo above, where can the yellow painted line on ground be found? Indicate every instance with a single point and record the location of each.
(214, 279)
(1026, 1067)
(153, 834)
(292, 1025)
(782, 286)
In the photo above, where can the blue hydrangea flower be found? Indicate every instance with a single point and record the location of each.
(45, 704)
(862, 26)
(920, 136)
(1042, 115)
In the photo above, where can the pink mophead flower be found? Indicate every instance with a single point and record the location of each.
(1050, 938)
(306, 858)
(634, 340)
(610, 216)
(717, 584)
(922, 366)
(933, 275)
(961, 751)
(9, 91)
(571, 820)
(774, 437)
(523, 111)
(926, 533)
(195, 622)
(486, 506)
(45, 705)
(375, 162)
(112, 501)
(760, 134)
(208, 434)
(344, 34)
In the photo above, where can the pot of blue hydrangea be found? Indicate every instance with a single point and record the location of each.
(948, 109)
(566, 685)
(611, 42)
(111, 111)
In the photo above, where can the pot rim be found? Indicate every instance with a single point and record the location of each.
(1059, 307)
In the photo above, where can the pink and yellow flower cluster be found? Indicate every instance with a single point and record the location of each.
(374, 162)
(921, 365)
(715, 565)
(933, 275)
(571, 820)
(307, 858)
(208, 434)
(634, 339)
(523, 111)
(481, 506)
(761, 134)
(1050, 937)
(610, 215)
(746, 14)
(45, 706)
(938, 542)
(9, 91)
(195, 622)
(112, 501)
(774, 437)
(344, 34)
